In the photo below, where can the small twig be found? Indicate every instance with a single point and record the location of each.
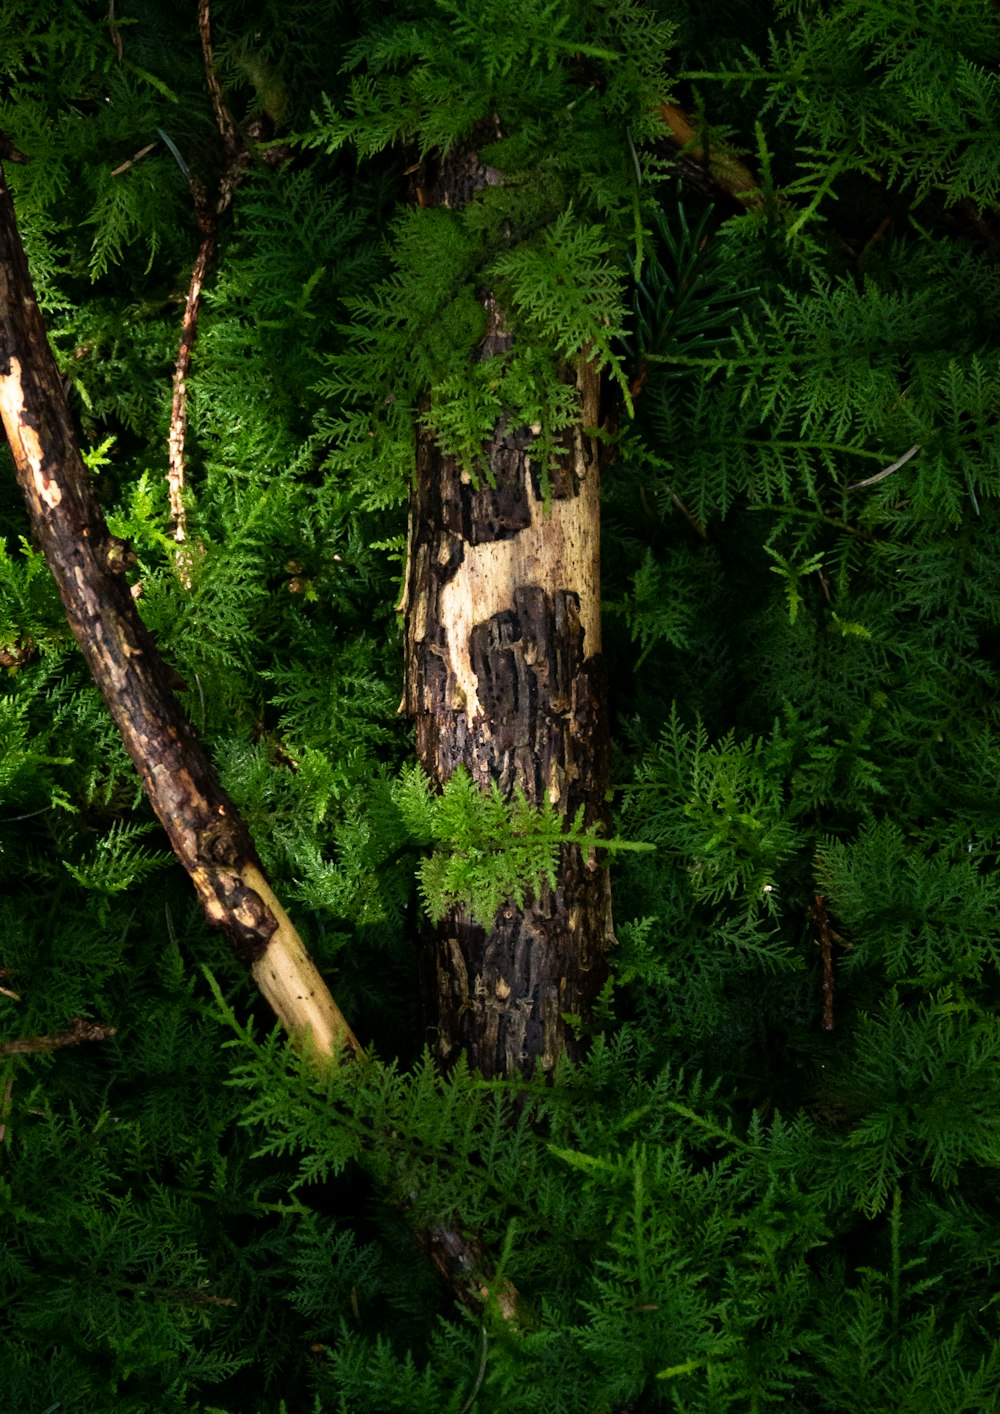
(178, 409)
(116, 34)
(124, 166)
(79, 1030)
(237, 159)
(223, 118)
(689, 516)
(825, 944)
(5, 1109)
(886, 471)
(479, 1376)
(30, 815)
(176, 1293)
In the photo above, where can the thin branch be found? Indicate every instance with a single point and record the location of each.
(89, 565)
(78, 1030)
(725, 168)
(208, 214)
(178, 407)
(182, 1295)
(115, 31)
(825, 944)
(886, 471)
(143, 152)
(5, 1108)
(223, 118)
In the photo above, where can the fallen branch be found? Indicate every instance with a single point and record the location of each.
(88, 564)
(725, 168)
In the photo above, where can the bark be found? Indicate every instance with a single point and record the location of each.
(504, 675)
(88, 564)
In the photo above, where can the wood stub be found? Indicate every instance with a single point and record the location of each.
(504, 676)
(88, 564)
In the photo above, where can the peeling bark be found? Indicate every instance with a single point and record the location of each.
(88, 564)
(504, 675)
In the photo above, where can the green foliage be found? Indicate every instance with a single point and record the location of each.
(755, 1192)
(487, 851)
(548, 234)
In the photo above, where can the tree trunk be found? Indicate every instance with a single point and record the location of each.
(504, 676)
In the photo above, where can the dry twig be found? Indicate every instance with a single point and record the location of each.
(825, 944)
(89, 566)
(78, 1030)
(208, 213)
(886, 471)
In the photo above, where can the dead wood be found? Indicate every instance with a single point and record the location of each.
(504, 676)
(206, 831)
(208, 212)
(89, 566)
(77, 1030)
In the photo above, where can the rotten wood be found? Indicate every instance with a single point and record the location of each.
(89, 566)
(504, 676)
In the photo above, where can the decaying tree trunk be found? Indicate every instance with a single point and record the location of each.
(88, 564)
(504, 676)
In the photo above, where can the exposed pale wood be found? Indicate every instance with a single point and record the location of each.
(504, 676)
